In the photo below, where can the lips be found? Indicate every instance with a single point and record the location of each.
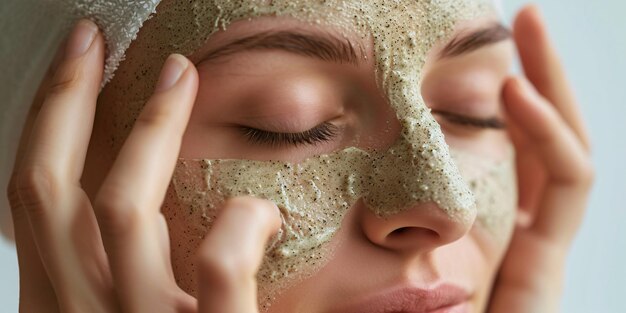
(443, 299)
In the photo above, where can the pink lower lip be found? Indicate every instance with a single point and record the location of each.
(444, 299)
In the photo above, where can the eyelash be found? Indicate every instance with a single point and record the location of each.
(487, 123)
(319, 134)
(327, 131)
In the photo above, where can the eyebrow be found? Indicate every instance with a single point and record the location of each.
(325, 47)
(466, 43)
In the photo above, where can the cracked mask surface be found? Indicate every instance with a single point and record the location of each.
(314, 195)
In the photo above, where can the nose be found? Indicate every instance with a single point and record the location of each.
(418, 229)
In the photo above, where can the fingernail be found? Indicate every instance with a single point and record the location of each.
(172, 71)
(81, 39)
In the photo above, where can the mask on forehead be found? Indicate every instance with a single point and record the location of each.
(315, 194)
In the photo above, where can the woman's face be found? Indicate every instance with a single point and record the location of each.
(285, 89)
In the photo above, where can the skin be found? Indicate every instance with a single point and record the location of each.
(108, 250)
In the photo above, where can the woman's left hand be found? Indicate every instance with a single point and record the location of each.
(555, 174)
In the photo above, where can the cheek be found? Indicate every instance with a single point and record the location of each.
(493, 182)
(185, 238)
(311, 211)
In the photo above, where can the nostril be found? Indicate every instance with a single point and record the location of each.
(414, 232)
(400, 231)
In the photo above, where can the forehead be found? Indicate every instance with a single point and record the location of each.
(330, 43)
(186, 25)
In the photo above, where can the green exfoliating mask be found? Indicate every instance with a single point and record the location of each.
(315, 194)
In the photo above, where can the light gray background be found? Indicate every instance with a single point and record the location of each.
(591, 36)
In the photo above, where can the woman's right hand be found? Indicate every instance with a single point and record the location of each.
(112, 254)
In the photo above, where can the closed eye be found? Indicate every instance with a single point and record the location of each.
(463, 120)
(319, 134)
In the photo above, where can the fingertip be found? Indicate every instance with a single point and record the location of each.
(512, 91)
(189, 66)
(530, 8)
(528, 13)
(175, 92)
(529, 110)
(81, 39)
(177, 70)
(522, 86)
(263, 208)
(519, 98)
(232, 252)
(174, 68)
(272, 209)
(189, 77)
(529, 23)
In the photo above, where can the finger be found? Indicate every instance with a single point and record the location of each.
(231, 254)
(566, 161)
(42, 91)
(129, 201)
(34, 281)
(543, 68)
(47, 181)
(61, 133)
(531, 178)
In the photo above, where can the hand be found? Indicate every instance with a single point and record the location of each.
(555, 174)
(112, 255)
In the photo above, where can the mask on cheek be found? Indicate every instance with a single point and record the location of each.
(493, 182)
(314, 195)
